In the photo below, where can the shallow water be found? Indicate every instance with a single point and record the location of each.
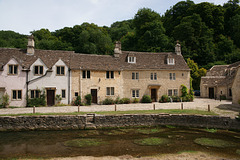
(46, 144)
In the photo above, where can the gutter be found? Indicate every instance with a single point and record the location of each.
(69, 72)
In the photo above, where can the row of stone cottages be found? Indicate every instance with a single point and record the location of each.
(222, 82)
(125, 74)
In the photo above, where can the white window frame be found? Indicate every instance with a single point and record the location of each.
(153, 76)
(172, 76)
(135, 76)
(170, 91)
(17, 95)
(175, 92)
(135, 93)
(14, 71)
(131, 59)
(171, 61)
(110, 91)
(85, 76)
(60, 67)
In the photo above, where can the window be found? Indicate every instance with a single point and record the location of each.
(175, 92)
(76, 94)
(16, 94)
(170, 92)
(110, 91)
(172, 76)
(135, 75)
(135, 93)
(63, 93)
(86, 74)
(12, 69)
(110, 74)
(131, 59)
(153, 76)
(171, 61)
(60, 70)
(35, 93)
(38, 70)
(230, 92)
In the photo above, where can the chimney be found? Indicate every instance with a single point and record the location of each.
(117, 49)
(178, 48)
(30, 46)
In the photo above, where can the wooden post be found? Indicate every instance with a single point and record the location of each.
(34, 110)
(154, 107)
(181, 106)
(209, 108)
(78, 108)
(115, 107)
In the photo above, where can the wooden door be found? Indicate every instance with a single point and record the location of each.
(211, 93)
(94, 95)
(154, 95)
(50, 97)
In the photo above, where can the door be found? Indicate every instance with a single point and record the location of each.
(154, 95)
(211, 93)
(50, 97)
(94, 95)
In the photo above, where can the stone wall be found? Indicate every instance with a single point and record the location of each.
(236, 88)
(10, 123)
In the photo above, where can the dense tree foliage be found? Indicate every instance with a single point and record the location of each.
(209, 34)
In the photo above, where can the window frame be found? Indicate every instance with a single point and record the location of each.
(170, 91)
(17, 95)
(38, 70)
(171, 61)
(131, 59)
(36, 93)
(109, 74)
(172, 76)
(86, 74)
(153, 76)
(175, 92)
(63, 97)
(110, 91)
(14, 70)
(135, 75)
(135, 93)
(60, 71)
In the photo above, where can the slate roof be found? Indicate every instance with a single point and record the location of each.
(144, 60)
(220, 75)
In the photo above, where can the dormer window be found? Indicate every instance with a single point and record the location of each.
(170, 61)
(131, 59)
(12, 69)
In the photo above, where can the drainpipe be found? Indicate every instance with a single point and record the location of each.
(69, 71)
(27, 87)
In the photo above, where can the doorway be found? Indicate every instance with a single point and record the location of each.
(211, 93)
(50, 97)
(154, 95)
(94, 95)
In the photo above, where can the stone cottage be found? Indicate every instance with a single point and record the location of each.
(218, 81)
(236, 88)
(26, 72)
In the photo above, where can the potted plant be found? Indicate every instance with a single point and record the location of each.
(58, 98)
(5, 100)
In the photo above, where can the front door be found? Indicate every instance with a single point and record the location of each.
(50, 97)
(154, 95)
(94, 95)
(211, 93)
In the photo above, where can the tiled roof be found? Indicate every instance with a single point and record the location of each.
(220, 75)
(144, 60)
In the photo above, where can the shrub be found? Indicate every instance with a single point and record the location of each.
(176, 99)
(135, 100)
(124, 101)
(88, 98)
(37, 102)
(108, 101)
(58, 98)
(146, 99)
(164, 99)
(77, 101)
(184, 90)
(117, 100)
(5, 100)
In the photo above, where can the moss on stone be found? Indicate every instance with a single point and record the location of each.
(214, 142)
(150, 131)
(211, 130)
(238, 151)
(153, 141)
(114, 132)
(89, 133)
(84, 142)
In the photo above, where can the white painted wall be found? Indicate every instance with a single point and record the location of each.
(14, 82)
(51, 80)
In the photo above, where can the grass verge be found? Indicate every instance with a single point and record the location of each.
(164, 111)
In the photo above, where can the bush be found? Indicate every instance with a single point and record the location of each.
(146, 99)
(117, 100)
(88, 98)
(164, 99)
(108, 101)
(58, 98)
(135, 100)
(176, 99)
(223, 97)
(5, 100)
(77, 101)
(184, 90)
(37, 102)
(124, 101)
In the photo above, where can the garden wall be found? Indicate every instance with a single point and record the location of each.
(11, 123)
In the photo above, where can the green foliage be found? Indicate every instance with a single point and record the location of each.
(135, 100)
(184, 90)
(84, 142)
(164, 99)
(5, 100)
(37, 102)
(214, 142)
(58, 98)
(186, 97)
(77, 101)
(108, 101)
(146, 99)
(223, 97)
(88, 98)
(124, 101)
(152, 141)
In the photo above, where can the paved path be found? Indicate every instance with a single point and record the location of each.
(223, 108)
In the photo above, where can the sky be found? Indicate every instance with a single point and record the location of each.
(24, 16)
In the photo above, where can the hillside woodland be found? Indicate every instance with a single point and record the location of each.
(209, 34)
